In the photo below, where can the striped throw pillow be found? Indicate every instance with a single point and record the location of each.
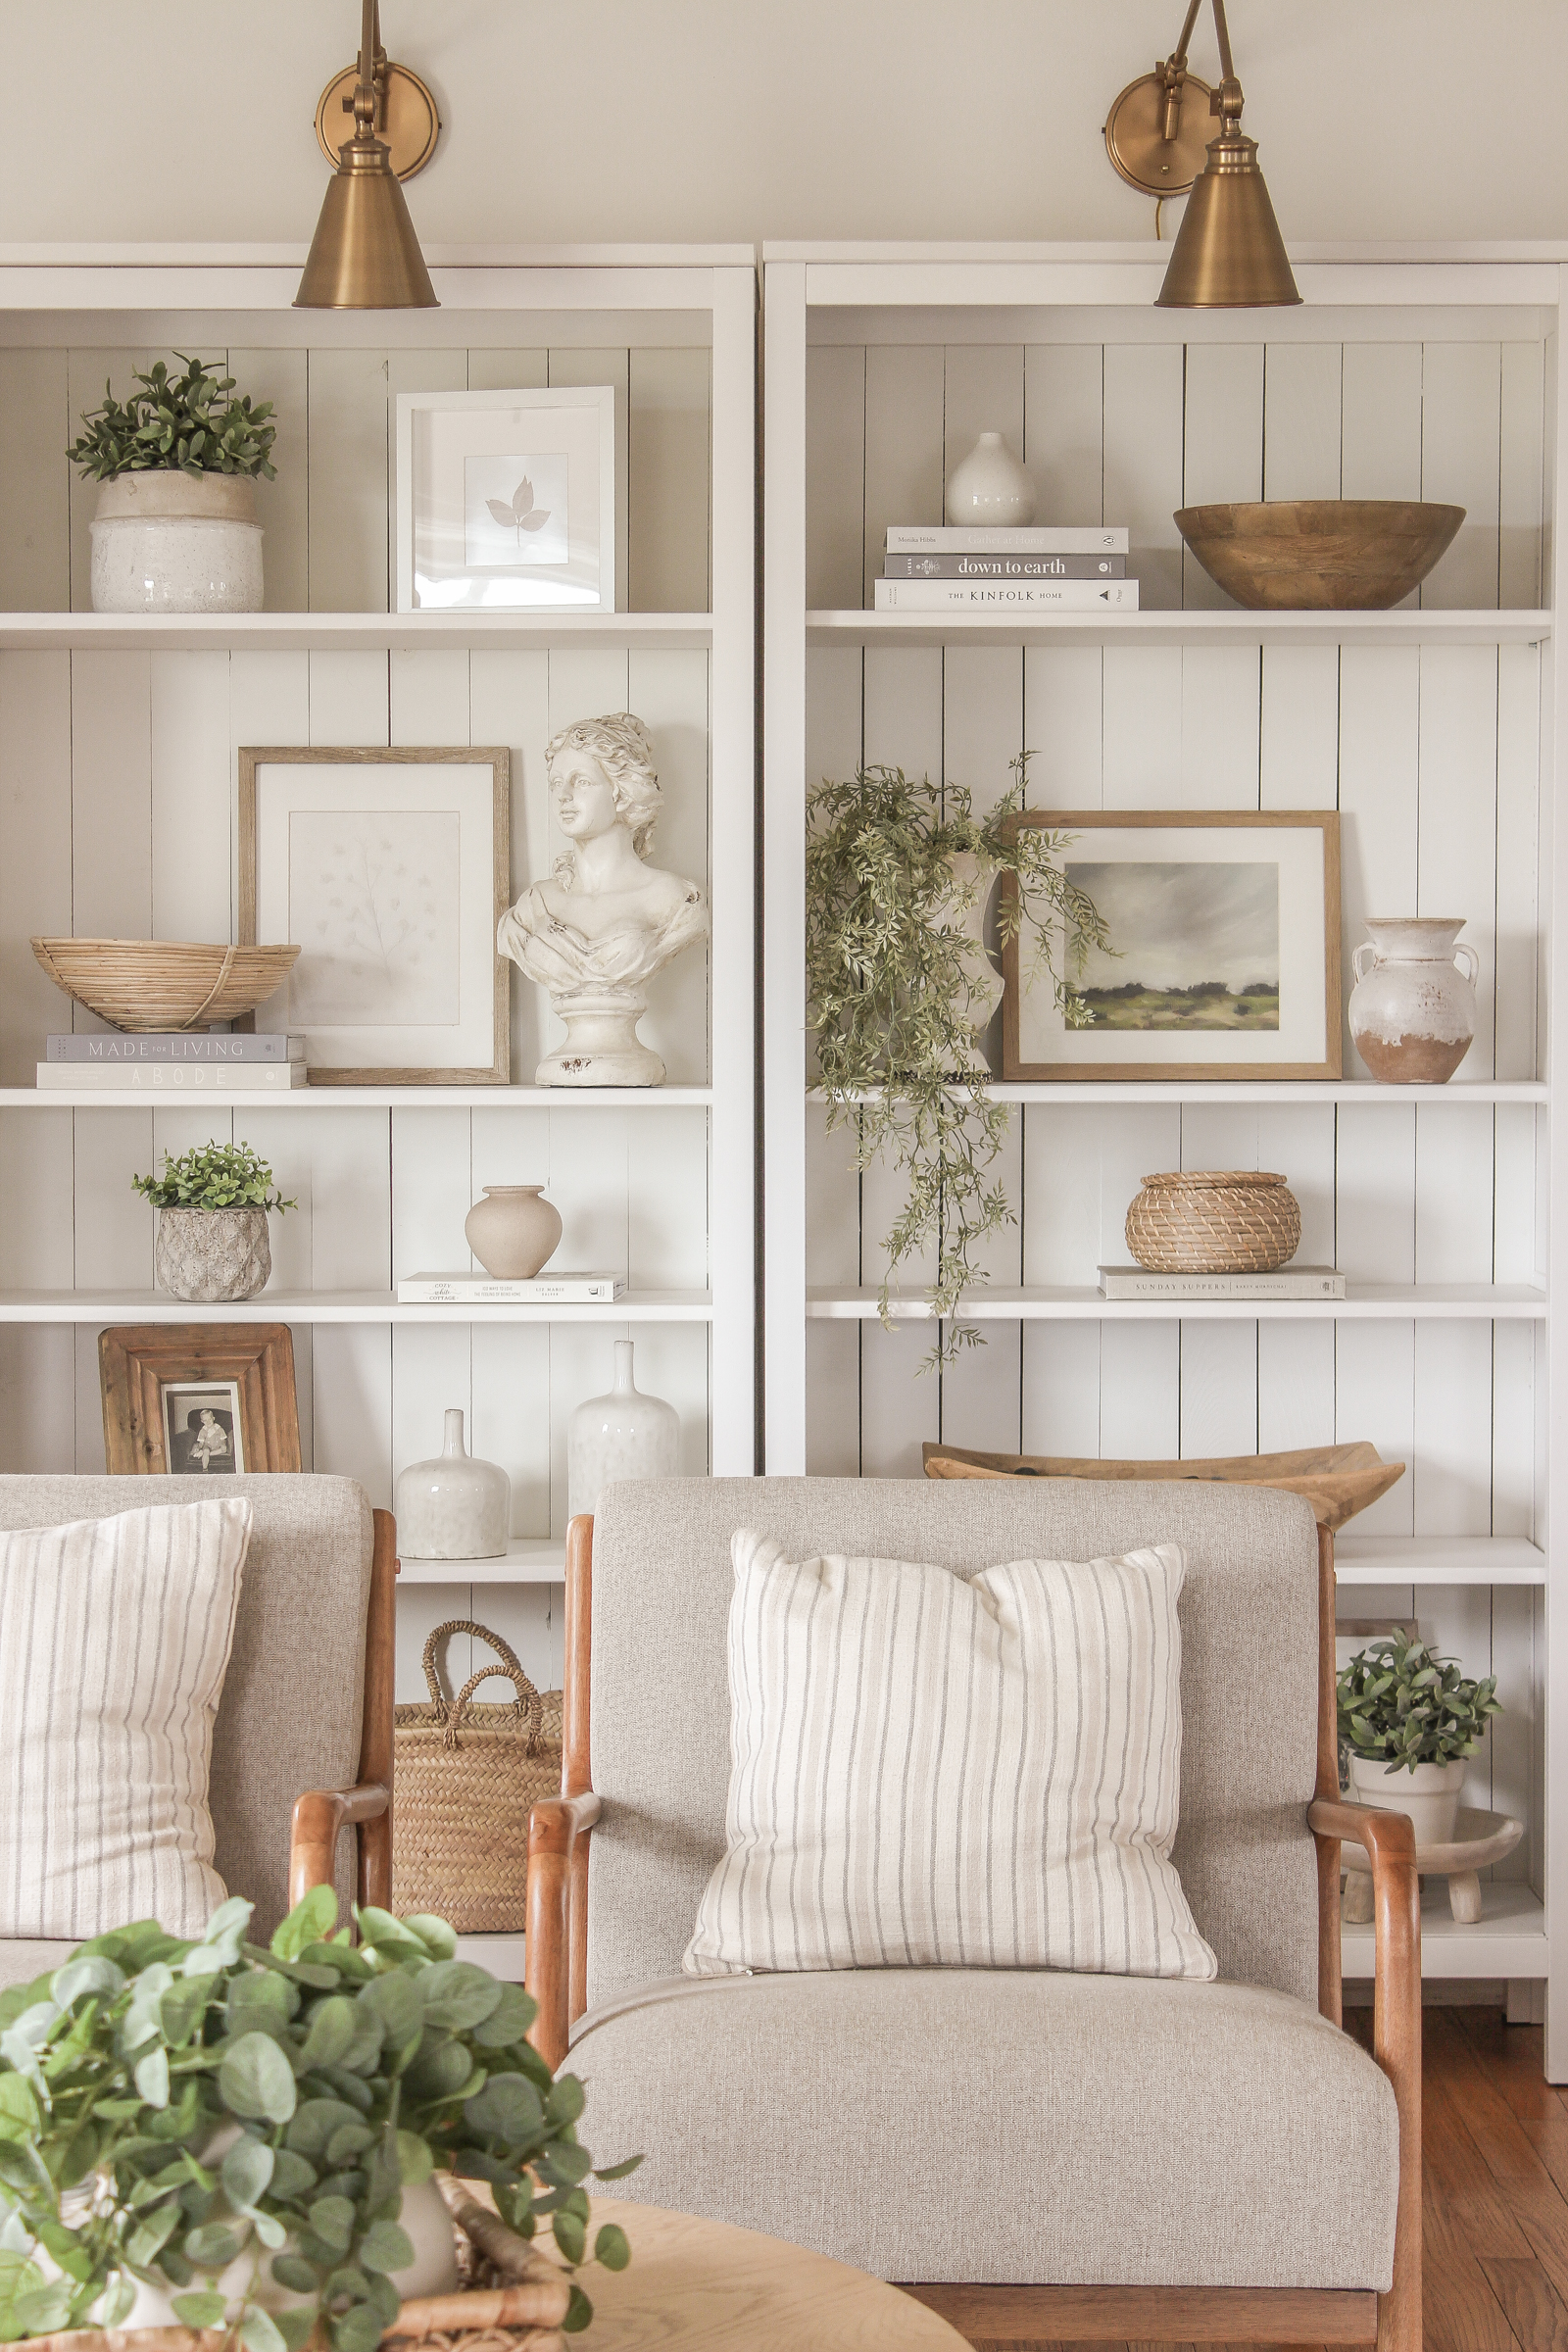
(930, 1769)
(114, 1636)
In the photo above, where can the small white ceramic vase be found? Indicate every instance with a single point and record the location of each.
(989, 487)
(212, 1254)
(452, 1507)
(1412, 1011)
(513, 1231)
(164, 541)
(624, 1435)
(1430, 1795)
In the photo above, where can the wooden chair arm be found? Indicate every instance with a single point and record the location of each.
(558, 1829)
(321, 1816)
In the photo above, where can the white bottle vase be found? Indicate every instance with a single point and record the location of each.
(454, 1506)
(624, 1435)
(989, 488)
(1412, 1011)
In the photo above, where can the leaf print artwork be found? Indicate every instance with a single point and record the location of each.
(521, 511)
(515, 511)
(374, 902)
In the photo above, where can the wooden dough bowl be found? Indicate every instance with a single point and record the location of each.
(1319, 555)
(1338, 1480)
(1482, 1839)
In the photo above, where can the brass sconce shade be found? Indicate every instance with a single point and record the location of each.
(365, 255)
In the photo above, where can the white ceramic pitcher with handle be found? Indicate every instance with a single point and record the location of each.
(1412, 1011)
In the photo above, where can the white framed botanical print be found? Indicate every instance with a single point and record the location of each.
(506, 500)
(390, 871)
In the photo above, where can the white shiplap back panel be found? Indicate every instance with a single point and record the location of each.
(1064, 411)
(1141, 738)
(667, 1208)
(36, 850)
(349, 698)
(509, 700)
(668, 405)
(192, 861)
(982, 393)
(511, 1413)
(1218, 1388)
(1063, 697)
(835, 477)
(1518, 953)
(433, 1191)
(832, 1399)
(35, 487)
(1222, 445)
(668, 691)
(519, 367)
(1142, 463)
(1456, 873)
(1379, 691)
(1294, 1386)
(348, 492)
(904, 398)
(1519, 476)
(38, 1398)
(1298, 727)
(1381, 421)
(573, 367)
(114, 1243)
(1062, 1384)
(429, 696)
(901, 1405)
(1461, 392)
(1374, 1363)
(283, 505)
(1302, 412)
(1220, 706)
(111, 798)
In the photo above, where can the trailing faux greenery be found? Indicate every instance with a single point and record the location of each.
(191, 423)
(1402, 1705)
(889, 973)
(342, 2074)
(213, 1176)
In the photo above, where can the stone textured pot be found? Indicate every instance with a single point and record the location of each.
(164, 541)
(1430, 1795)
(212, 1253)
(454, 1506)
(989, 488)
(1412, 1011)
(624, 1435)
(513, 1231)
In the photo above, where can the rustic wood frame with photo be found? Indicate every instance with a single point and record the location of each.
(137, 1362)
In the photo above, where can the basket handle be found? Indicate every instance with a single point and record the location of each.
(223, 972)
(528, 1707)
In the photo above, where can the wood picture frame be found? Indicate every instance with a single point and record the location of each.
(1306, 858)
(477, 978)
(250, 1366)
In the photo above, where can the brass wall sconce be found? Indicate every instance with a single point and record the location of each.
(1228, 254)
(365, 255)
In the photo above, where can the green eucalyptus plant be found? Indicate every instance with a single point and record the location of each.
(191, 423)
(889, 973)
(213, 1176)
(1402, 1705)
(340, 2075)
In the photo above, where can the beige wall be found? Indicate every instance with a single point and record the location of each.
(610, 120)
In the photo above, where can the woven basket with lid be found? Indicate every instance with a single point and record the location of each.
(1215, 1221)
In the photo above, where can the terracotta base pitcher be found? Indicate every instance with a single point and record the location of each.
(1413, 1009)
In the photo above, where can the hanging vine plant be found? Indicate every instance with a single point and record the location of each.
(898, 873)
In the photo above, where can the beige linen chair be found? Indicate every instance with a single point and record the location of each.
(1038, 2155)
(301, 1746)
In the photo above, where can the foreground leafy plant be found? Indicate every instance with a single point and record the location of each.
(891, 988)
(1400, 1704)
(213, 1176)
(340, 2074)
(189, 423)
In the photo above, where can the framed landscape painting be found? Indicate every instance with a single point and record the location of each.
(1222, 952)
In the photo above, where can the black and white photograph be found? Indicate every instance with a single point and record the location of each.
(202, 1434)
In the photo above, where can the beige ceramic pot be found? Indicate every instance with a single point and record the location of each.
(209, 1253)
(1430, 1795)
(164, 541)
(513, 1231)
(1412, 1011)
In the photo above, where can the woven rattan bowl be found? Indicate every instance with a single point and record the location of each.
(1319, 555)
(1220, 1221)
(163, 983)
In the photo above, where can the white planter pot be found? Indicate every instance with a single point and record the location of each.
(212, 1253)
(1430, 1795)
(454, 1506)
(624, 1435)
(1412, 1011)
(170, 541)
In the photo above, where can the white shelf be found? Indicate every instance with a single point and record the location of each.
(1237, 627)
(334, 1307)
(361, 1097)
(1508, 1939)
(1239, 1091)
(1366, 1300)
(1437, 1560)
(344, 632)
(527, 1560)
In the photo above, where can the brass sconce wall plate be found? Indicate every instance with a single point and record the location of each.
(1135, 135)
(406, 117)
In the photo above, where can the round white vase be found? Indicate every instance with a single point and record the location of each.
(1430, 1795)
(513, 1231)
(624, 1435)
(212, 1253)
(989, 488)
(164, 541)
(1412, 1011)
(454, 1506)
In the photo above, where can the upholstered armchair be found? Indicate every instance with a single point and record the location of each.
(1036, 2154)
(301, 1748)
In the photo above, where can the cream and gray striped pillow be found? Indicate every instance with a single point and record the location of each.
(114, 1636)
(940, 1770)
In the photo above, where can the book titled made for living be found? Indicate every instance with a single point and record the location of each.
(175, 1044)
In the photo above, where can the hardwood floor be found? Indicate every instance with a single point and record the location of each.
(1495, 2208)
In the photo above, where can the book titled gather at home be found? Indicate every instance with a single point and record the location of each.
(175, 1077)
(485, 1289)
(175, 1044)
(1005, 595)
(1290, 1282)
(1008, 538)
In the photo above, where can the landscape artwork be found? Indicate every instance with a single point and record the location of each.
(1190, 946)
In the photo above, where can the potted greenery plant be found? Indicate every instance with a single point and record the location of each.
(1411, 1721)
(899, 987)
(213, 1203)
(175, 529)
(224, 2136)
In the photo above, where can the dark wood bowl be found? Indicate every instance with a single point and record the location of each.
(1319, 555)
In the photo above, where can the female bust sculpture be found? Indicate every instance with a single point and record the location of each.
(596, 933)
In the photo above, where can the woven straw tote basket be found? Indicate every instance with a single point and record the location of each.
(464, 1779)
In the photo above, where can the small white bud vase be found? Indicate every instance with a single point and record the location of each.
(164, 541)
(989, 488)
(212, 1254)
(454, 1508)
(1412, 1011)
(513, 1231)
(624, 1435)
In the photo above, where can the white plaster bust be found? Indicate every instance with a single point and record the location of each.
(606, 921)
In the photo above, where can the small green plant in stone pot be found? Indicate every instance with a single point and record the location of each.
(1411, 1721)
(213, 1206)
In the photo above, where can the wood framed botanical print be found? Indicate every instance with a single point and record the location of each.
(390, 871)
(199, 1399)
(1221, 953)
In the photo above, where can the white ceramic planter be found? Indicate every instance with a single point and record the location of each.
(1412, 1011)
(989, 488)
(623, 1435)
(513, 1231)
(212, 1254)
(454, 1506)
(1430, 1795)
(170, 541)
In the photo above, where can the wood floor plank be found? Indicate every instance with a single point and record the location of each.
(1550, 2143)
(1534, 2308)
(1459, 2182)
(1512, 2056)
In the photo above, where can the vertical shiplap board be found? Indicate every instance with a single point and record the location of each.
(1453, 1406)
(1461, 396)
(902, 710)
(1060, 1204)
(1223, 446)
(1221, 689)
(1062, 693)
(1294, 1386)
(351, 1401)
(833, 1201)
(904, 424)
(982, 393)
(508, 702)
(1513, 1416)
(510, 1369)
(1219, 1360)
(432, 1192)
(835, 478)
(1381, 422)
(428, 696)
(427, 370)
(1518, 858)
(36, 1236)
(1520, 477)
(1062, 1382)
(1142, 463)
(35, 852)
(515, 369)
(111, 803)
(901, 1405)
(590, 1158)
(669, 494)
(38, 1399)
(1298, 732)
(1140, 735)
(89, 1406)
(282, 506)
(1380, 722)
(1301, 391)
(832, 1399)
(530, 1619)
(1458, 829)
(1375, 1362)
(667, 1200)
(351, 1248)
(1064, 423)
(1140, 1391)
(1506, 1762)
(431, 1375)
(572, 367)
(34, 483)
(191, 850)
(113, 1245)
(980, 1388)
(269, 705)
(668, 691)
(347, 407)
(349, 698)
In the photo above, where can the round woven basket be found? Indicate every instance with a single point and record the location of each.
(1216, 1221)
(164, 983)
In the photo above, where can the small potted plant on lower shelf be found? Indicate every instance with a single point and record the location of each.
(1411, 1721)
(222, 2134)
(213, 1206)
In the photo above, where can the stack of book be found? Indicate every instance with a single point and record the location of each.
(175, 1061)
(1290, 1282)
(1041, 568)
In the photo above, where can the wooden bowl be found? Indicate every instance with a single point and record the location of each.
(1319, 555)
(163, 983)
